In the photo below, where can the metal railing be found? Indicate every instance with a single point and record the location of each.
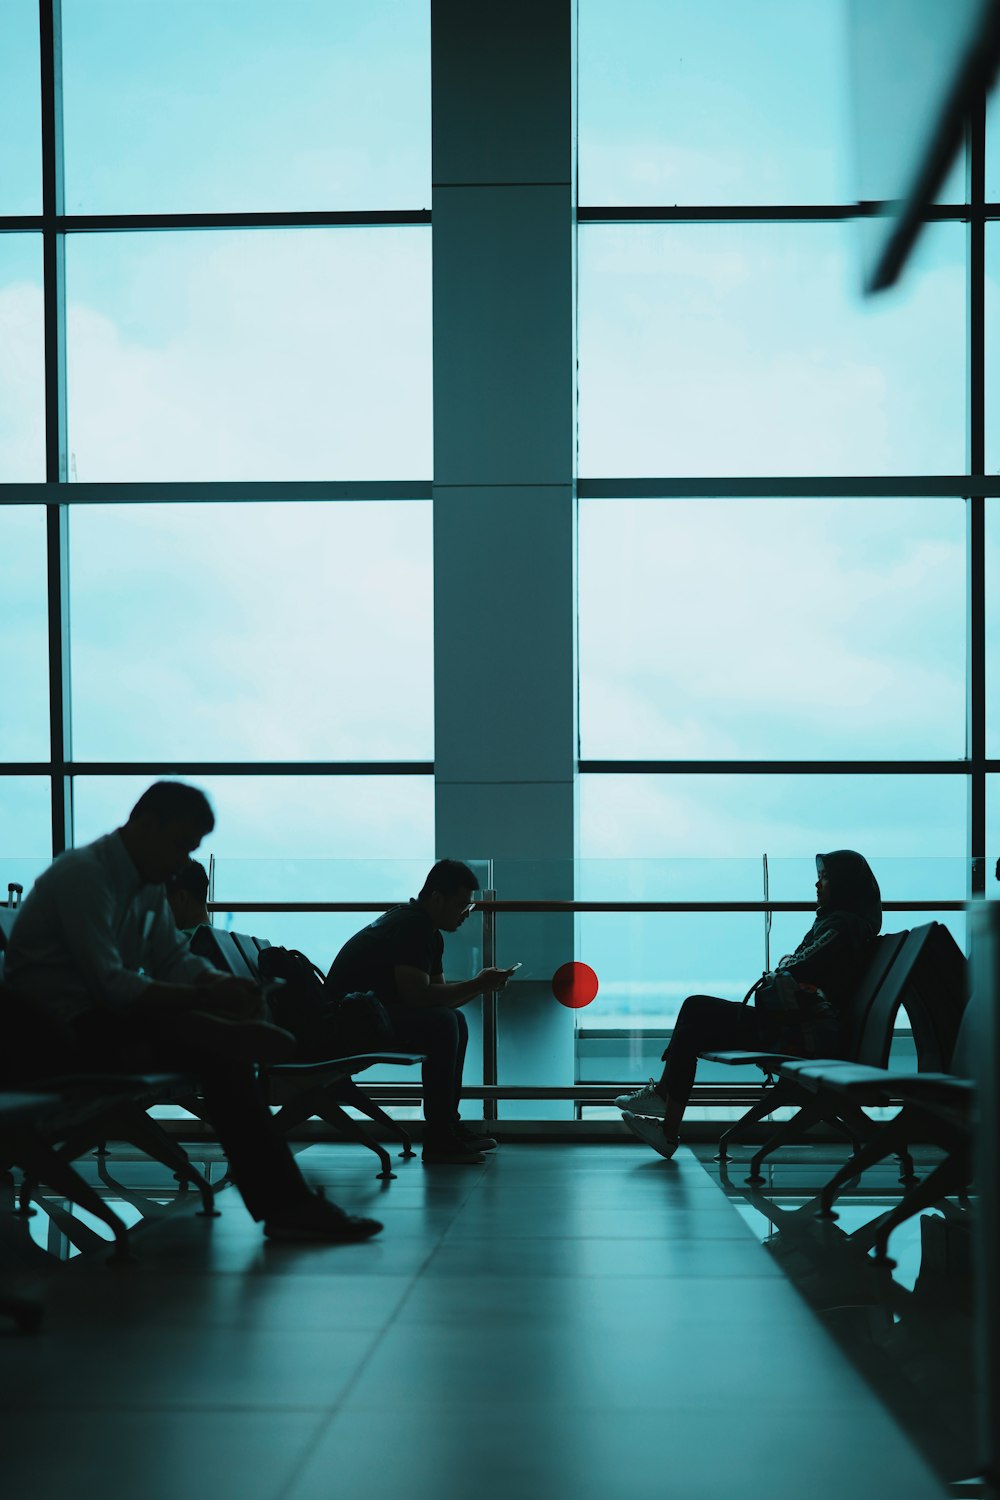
(592, 1094)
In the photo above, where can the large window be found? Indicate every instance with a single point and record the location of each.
(767, 670)
(218, 550)
(215, 375)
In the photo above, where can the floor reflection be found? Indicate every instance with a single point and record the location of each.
(909, 1331)
(138, 1190)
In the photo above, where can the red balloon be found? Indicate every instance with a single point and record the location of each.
(574, 985)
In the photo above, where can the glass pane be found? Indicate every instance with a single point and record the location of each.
(289, 354)
(747, 350)
(993, 147)
(24, 700)
(787, 929)
(700, 101)
(253, 632)
(648, 963)
(246, 105)
(322, 934)
(992, 345)
(25, 830)
(285, 818)
(992, 531)
(993, 837)
(910, 828)
(376, 882)
(24, 632)
(20, 109)
(22, 364)
(772, 629)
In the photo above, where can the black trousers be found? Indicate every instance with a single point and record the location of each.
(706, 1024)
(443, 1034)
(260, 1162)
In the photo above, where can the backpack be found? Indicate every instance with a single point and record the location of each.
(323, 1025)
(298, 999)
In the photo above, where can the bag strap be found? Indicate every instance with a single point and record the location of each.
(297, 953)
(754, 988)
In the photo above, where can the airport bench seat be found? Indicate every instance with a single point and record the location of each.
(81, 1112)
(321, 1088)
(917, 970)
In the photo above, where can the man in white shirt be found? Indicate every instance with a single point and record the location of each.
(96, 953)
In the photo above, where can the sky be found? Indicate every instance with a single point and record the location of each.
(824, 628)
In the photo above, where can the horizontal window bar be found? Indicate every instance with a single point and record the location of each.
(737, 213)
(779, 767)
(426, 767)
(219, 768)
(572, 907)
(181, 491)
(137, 492)
(125, 223)
(875, 486)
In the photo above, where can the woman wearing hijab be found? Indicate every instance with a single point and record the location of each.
(816, 980)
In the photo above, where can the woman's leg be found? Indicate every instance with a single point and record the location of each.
(704, 1023)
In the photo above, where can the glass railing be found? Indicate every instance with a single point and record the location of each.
(652, 932)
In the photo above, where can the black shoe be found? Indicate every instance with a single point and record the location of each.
(450, 1150)
(473, 1139)
(320, 1222)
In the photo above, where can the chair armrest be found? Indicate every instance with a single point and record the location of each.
(18, 1109)
(342, 1067)
(766, 1060)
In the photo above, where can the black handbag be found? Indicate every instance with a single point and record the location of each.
(796, 1017)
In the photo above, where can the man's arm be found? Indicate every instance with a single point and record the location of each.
(414, 987)
(86, 915)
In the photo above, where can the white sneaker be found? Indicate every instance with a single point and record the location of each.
(651, 1133)
(645, 1101)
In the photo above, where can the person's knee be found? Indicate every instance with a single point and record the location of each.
(687, 1013)
(441, 1026)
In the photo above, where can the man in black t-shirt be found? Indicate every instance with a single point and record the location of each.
(401, 957)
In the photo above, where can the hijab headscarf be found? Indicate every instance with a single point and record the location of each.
(853, 887)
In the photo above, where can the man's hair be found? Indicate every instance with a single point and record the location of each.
(191, 877)
(449, 875)
(175, 802)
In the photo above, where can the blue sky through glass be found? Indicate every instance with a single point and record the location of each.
(730, 349)
(246, 105)
(20, 109)
(252, 632)
(22, 387)
(268, 354)
(772, 629)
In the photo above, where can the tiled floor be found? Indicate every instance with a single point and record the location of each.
(581, 1321)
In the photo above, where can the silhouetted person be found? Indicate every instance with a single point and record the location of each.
(400, 956)
(187, 895)
(95, 952)
(830, 957)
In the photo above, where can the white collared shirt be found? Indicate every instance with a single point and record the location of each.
(91, 930)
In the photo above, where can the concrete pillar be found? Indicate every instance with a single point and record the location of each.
(504, 487)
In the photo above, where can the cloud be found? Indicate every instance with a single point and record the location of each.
(776, 628)
(709, 349)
